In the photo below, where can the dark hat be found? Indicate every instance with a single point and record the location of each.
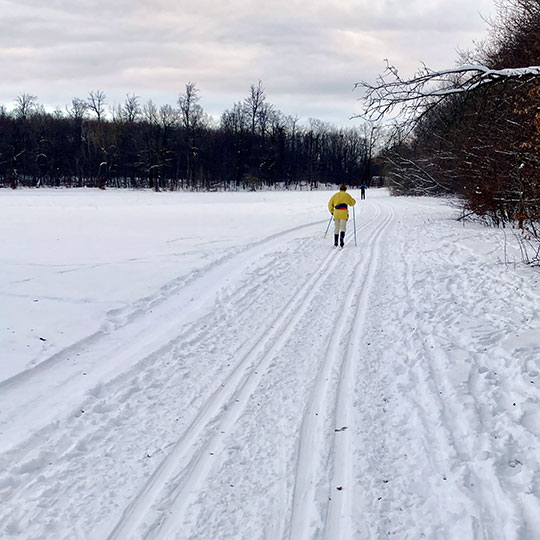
(343, 187)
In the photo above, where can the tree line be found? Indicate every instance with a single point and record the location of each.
(136, 145)
(474, 129)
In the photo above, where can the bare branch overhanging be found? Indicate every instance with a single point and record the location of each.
(414, 96)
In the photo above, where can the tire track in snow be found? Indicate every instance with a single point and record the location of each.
(188, 462)
(313, 437)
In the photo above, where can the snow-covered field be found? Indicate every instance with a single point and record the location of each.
(207, 366)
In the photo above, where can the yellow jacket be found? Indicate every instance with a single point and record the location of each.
(339, 203)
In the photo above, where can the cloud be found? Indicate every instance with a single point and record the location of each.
(309, 54)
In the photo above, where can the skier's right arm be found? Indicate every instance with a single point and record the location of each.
(331, 205)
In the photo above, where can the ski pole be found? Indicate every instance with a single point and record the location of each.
(326, 232)
(354, 224)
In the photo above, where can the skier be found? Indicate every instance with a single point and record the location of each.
(338, 206)
(363, 188)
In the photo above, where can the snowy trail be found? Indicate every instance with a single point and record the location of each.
(222, 410)
(451, 411)
(155, 322)
(187, 465)
(340, 518)
(336, 402)
(279, 389)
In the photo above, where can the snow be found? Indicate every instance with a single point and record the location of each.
(207, 366)
(506, 72)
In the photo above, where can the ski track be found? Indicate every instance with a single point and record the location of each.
(328, 410)
(161, 310)
(466, 440)
(341, 520)
(369, 407)
(103, 397)
(221, 410)
(107, 405)
(468, 470)
(118, 318)
(187, 465)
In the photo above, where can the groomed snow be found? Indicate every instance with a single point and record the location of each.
(206, 366)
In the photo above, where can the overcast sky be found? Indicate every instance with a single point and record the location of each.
(308, 53)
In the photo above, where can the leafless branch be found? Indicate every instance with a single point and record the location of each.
(414, 96)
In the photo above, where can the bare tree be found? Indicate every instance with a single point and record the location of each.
(168, 116)
(132, 109)
(150, 112)
(191, 114)
(254, 103)
(25, 105)
(117, 113)
(96, 103)
(267, 116)
(78, 108)
(190, 110)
